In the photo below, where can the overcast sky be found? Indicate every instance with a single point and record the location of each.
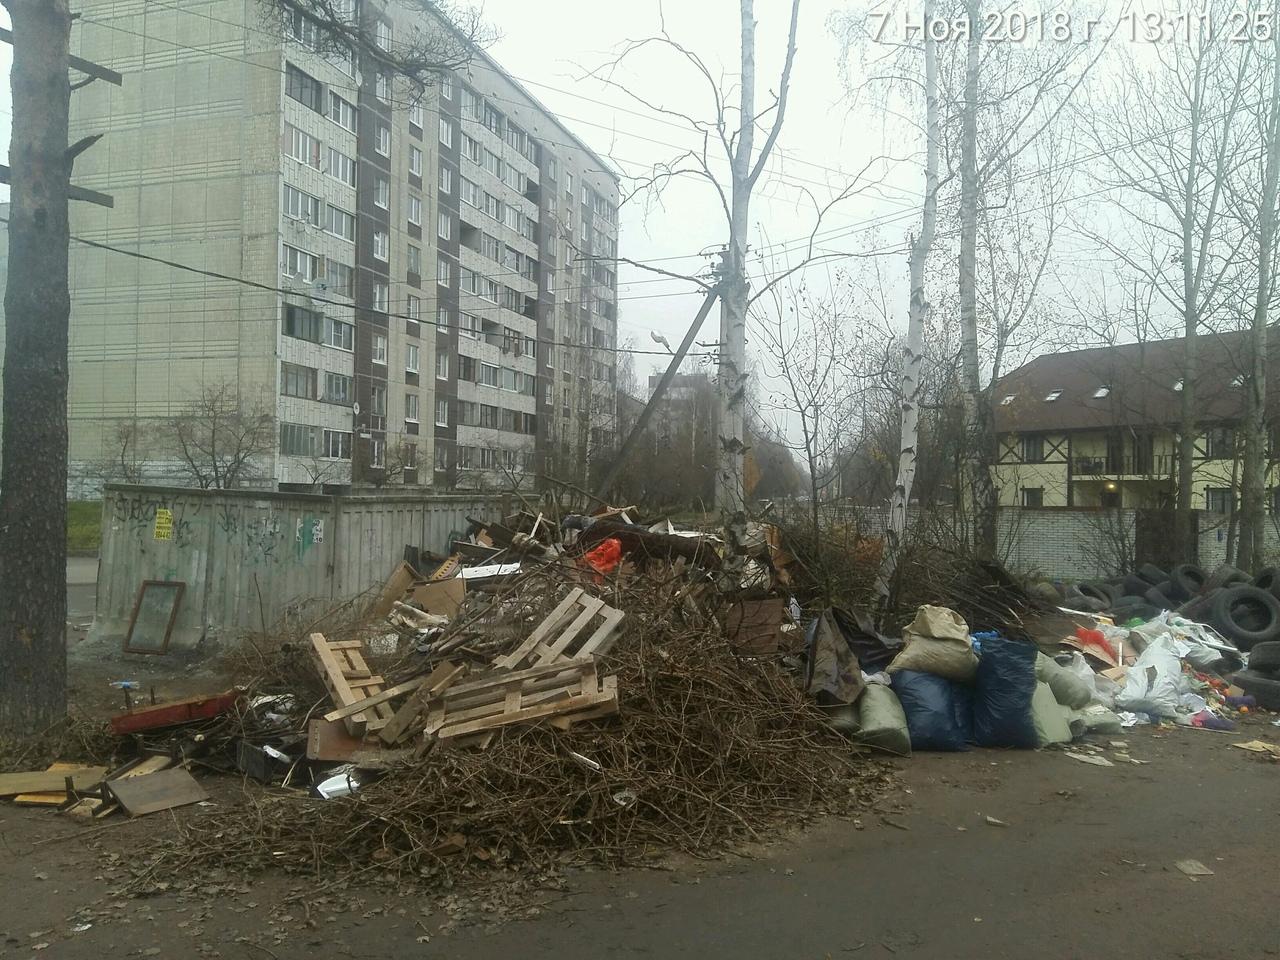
(550, 45)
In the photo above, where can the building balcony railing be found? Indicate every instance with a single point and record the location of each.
(1157, 465)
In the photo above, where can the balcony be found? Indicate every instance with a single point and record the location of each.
(1157, 465)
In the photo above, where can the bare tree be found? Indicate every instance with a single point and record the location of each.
(124, 460)
(219, 437)
(1166, 136)
(1253, 511)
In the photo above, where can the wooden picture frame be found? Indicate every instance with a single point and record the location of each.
(132, 644)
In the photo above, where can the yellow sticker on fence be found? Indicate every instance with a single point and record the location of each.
(164, 524)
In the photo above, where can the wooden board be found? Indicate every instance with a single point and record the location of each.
(173, 712)
(606, 695)
(49, 798)
(96, 807)
(402, 577)
(441, 597)
(154, 792)
(329, 741)
(368, 703)
(410, 712)
(47, 781)
(347, 676)
(154, 611)
(556, 637)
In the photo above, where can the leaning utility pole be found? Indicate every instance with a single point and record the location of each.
(33, 485)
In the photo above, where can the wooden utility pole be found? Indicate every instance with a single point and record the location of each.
(33, 486)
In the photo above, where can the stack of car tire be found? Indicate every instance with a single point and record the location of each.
(1244, 610)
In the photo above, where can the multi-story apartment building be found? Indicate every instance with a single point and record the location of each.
(416, 285)
(1099, 427)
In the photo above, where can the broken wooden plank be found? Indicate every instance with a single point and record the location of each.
(97, 807)
(173, 712)
(527, 714)
(552, 620)
(440, 678)
(339, 669)
(330, 741)
(402, 577)
(369, 702)
(158, 791)
(48, 798)
(47, 781)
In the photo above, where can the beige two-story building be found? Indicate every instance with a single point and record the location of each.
(1099, 427)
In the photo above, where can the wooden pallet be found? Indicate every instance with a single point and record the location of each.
(349, 681)
(520, 696)
(555, 638)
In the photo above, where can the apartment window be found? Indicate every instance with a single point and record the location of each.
(413, 308)
(337, 445)
(471, 149)
(472, 105)
(487, 289)
(411, 359)
(508, 379)
(1033, 496)
(442, 413)
(301, 206)
(340, 167)
(1218, 500)
(493, 119)
(415, 210)
(446, 88)
(304, 88)
(469, 192)
(384, 141)
(377, 453)
(442, 318)
(469, 327)
(493, 163)
(377, 407)
(340, 334)
(339, 278)
(488, 416)
(303, 324)
(415, 260)
(512, 217)
(381, 245)
(415, 114)
(446, 179)
(444, 272)
(382, 193)
(382, 35)
(337, 388)
(489, 375)
(442, 366)
(299, 440)
(342, 112)
(493, 207)
(446, 132)
(444, 226)
(1033, 448)
(415, 161)
(1220, 444)
(298, 263)
(442, 456)
(340, 223)
(303, 29)
(380, 349)
(382, 87)
(381, 296)
(411, 407)
(297, 381)
(301, 146)
(568, 186)
(529, 229)
(490, 247)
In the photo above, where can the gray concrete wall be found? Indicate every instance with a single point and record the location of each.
(249, 557)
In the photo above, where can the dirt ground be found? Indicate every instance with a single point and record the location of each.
(1082, 867)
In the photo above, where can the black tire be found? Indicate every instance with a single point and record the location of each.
(1158, 599)
(1265, 657)
(1151, 573)
(1134, 586)
(1188, 578)
(1265, 690)
(1225, 576)
(1197, 608)
(1245, 615)
(1268, 579)
(1138, 611)
(1099, 591)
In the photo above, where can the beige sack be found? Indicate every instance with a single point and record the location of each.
(937, 642)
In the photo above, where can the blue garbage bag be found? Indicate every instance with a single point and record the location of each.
(1004, 686)
(962, 695)
(931, 711)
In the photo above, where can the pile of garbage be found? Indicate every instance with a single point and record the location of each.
(946, 687)
(1243, 609)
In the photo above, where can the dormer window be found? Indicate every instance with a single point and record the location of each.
(1101, 392)
(1052, 396)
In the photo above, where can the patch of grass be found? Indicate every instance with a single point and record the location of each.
(84, 526)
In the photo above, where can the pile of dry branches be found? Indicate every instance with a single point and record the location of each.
(710, 749)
